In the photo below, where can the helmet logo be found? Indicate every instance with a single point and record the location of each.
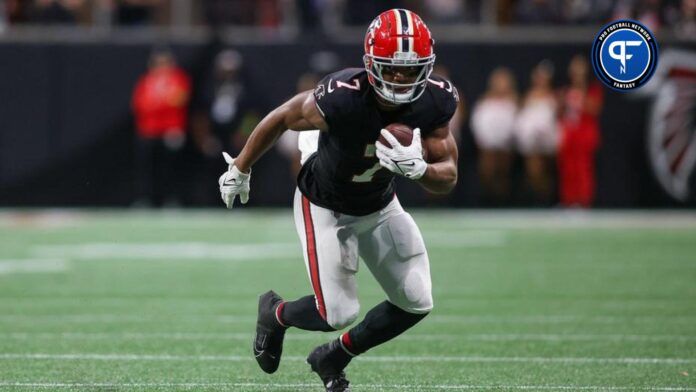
(405, 56)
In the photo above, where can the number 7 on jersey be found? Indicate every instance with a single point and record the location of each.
(368, 174)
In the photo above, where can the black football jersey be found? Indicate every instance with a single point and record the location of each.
(344, 174)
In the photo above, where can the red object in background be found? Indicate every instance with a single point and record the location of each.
(160, 102)
(579, 141)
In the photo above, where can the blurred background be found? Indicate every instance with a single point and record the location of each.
(130, 102)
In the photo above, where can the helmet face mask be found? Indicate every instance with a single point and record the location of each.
(399, 56)
(415, 74)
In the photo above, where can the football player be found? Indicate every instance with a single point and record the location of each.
(345, 205)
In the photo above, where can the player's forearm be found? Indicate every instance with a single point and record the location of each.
(439, 177)
(261, 139)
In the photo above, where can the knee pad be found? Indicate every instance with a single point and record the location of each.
(339, 317)
(415, 294)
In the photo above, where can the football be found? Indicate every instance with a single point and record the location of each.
(402, 133)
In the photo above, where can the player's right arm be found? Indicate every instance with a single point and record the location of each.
(300, 113)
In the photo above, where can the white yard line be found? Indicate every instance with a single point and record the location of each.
(241, 251)
(192, 385)
(32, 266)
(312, 337)
(386, 358)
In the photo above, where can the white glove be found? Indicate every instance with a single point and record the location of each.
(233, 182)
(403, 160)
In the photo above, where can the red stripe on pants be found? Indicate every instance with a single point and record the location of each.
(312, 256)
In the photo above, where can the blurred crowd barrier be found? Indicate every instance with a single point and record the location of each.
(131, 124)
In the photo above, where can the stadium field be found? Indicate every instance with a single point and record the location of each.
(150, 301)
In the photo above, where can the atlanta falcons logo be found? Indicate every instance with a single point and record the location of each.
(672, 126)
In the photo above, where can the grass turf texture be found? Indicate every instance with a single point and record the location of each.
(523, 301)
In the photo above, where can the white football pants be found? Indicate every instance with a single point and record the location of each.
(389, 243)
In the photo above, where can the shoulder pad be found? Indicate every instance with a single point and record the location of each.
(443, 88)
(339, 93)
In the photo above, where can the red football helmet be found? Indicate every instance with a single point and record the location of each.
(398, 41)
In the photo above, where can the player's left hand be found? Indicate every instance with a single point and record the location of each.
(403, 160)
(233, 182)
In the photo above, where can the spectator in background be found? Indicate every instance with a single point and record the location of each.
(504, 11)
(223, 107)
(586, 11)
(492, 122)
(55, 11)
(361, 12)
(310, 17)
(219, 13)
(4, 19)
(17, 11)
(222, 117)
(654, 14)
(536, 132)
(160, 105)
(538, 11)
(445, 11)
(137, 12)
(264, 13)
(686, 19)
(579, 122)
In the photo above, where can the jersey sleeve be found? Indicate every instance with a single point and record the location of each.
(337, 97)
(446, 99)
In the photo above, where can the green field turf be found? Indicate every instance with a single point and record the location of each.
(124, 301)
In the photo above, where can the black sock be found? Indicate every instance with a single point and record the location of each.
(303, 314)
(382, 323)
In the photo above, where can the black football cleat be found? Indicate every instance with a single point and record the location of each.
(268, 342)
(328, 361)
